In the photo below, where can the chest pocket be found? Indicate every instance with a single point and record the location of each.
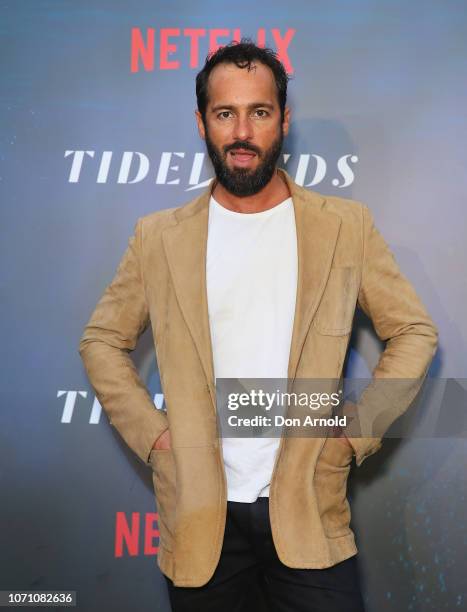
(335, 312)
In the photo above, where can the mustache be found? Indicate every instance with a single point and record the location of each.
(240, 144)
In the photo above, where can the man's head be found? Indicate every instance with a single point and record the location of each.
(242, 114)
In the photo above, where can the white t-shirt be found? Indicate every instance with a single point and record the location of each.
(251, 274)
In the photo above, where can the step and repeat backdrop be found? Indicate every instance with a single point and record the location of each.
(98, 129)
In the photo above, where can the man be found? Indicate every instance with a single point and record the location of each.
(257, 277)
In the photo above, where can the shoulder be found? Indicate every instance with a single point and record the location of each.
(351, 215)
(158, 220)
(349, 210)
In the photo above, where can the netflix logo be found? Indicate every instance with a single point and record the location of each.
(136, 535)
(172, 48)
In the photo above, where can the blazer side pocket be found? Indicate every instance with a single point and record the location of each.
(164, 481)
(330, 483)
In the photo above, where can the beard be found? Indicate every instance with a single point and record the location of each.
(243, 182)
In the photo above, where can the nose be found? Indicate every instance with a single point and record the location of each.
(243, 129)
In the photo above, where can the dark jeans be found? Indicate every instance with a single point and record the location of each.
(250, 576)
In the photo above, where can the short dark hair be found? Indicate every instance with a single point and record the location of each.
(242, 54)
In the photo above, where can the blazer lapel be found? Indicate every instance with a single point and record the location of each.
(317, 232)
(186, 244)
(185, 247)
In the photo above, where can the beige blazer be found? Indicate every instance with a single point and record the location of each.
(342, 261)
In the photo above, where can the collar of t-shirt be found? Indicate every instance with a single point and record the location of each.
(264, 213)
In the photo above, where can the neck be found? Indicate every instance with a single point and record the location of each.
(275, 192)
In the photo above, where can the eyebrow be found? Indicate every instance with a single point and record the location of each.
(250, 106)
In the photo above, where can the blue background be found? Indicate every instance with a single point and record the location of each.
(384, 82)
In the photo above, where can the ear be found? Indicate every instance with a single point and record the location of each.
(199, 121)
(286, 122)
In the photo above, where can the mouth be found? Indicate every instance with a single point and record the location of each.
(242, 157)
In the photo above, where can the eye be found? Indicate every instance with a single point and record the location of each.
(263, 113)
(223, 114)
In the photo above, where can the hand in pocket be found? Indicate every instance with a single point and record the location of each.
(163, 441)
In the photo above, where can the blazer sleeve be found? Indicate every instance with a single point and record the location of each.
(401, 320)
(111, 333)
